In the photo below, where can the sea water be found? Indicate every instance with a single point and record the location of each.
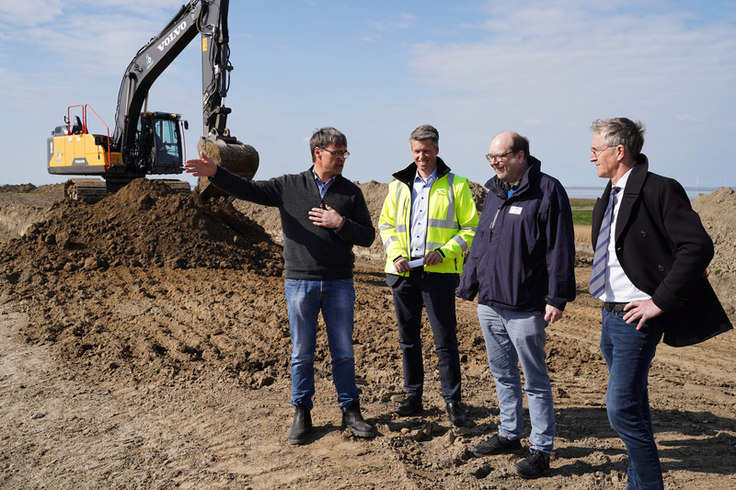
(596, 192)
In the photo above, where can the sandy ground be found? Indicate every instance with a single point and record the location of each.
(123, 365)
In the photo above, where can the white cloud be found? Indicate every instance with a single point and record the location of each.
(29, 12)
(556, 56)
(40, 12)
(393, 23)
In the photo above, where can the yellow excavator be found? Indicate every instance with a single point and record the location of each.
(152, 143)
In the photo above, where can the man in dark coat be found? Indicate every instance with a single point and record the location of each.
(651, 254)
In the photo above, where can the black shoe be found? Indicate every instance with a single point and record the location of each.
(533, 466)
(457, 417)
(497, 445)
(411, 406)
(302, 425)
(353, 420)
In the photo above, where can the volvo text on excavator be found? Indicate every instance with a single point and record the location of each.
(151, 143)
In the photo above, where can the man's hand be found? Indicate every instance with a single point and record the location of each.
(432, 258)
(201, 167)
(326, 218)
(402, 265)
(642, 311)
(552, 314)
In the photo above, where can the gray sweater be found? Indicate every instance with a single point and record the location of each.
(310, 251)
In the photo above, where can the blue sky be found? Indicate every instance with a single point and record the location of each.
(376, 70)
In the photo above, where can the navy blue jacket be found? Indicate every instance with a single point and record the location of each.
(523, 254)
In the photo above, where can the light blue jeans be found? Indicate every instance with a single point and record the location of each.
(336, 299)
(512, 337)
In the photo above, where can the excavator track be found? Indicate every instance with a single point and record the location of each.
(94, 190)
(88, 190)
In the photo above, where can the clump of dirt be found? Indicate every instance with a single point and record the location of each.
(146, 224)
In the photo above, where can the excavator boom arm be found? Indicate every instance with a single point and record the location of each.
(205, 17)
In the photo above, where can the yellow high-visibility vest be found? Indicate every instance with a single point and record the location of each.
(450, 228)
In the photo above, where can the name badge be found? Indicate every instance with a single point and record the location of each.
(515, 210)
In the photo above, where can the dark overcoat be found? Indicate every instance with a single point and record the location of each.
(664, 251)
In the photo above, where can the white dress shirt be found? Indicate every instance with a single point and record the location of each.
(419, 213)
(619, 289)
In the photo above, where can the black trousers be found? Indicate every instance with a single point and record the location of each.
(436, 292)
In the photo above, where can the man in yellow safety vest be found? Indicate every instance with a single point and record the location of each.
(427, 224)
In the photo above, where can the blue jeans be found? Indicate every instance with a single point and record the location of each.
(514, 337)
(336, 299)
(628, 353)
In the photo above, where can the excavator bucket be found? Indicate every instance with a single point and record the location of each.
(238, 158)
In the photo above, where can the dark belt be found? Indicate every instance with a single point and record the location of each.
(614, 307)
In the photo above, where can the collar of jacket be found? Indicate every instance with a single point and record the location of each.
(406, 175)
(636, 179)
(496, 186)
(638, 176)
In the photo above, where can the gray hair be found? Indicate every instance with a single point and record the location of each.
(325, 137)
(621, 131)
(426, 132)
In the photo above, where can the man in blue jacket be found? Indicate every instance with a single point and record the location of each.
(521, 267)
(322, 216)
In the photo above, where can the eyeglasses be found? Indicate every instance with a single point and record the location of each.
(600, 150)
(498, 158)
(344, 154)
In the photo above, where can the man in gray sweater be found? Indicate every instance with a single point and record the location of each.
(322, 216)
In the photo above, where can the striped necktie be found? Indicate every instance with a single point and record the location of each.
(598, 276)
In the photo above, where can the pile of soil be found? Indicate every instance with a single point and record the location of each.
(717, 212)
(144, 342)
(146, 224)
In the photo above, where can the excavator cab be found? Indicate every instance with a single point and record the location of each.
(159, 143)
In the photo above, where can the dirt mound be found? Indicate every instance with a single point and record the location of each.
(718, 214)
(56, 190)
(146, 224)
(17, 188)
(122, 286)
